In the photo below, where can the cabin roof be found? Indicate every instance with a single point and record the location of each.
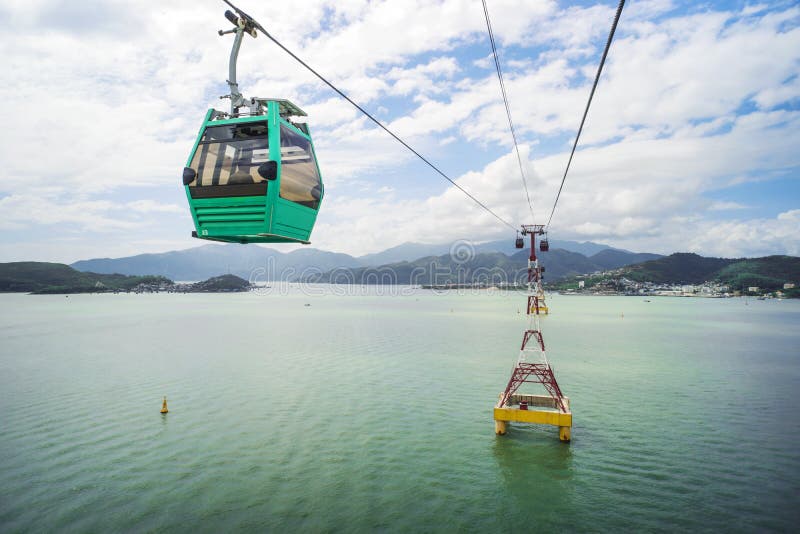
(285, 107)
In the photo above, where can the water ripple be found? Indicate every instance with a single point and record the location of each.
(374, 413)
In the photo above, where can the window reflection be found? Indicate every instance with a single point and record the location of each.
(300, 181)
(230, 155)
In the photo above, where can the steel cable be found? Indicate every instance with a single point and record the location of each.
(508, 108)
(367, 114)
(588, 103)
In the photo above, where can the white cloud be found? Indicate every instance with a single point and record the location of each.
(151, 206)
(106, 102)
(19, 211)
(431, 77)
(760, 236)
(722, 205)
(778, 94)
(635, 192)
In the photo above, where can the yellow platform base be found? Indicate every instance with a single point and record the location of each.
(507, 414)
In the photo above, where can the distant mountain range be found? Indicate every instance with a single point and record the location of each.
(259, 263)
(607, 267)
(485, 267)
(415, 251)
(248, 262)
(458, 262)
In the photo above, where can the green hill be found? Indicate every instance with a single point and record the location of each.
(770, 272)
(40, 277)
(679, 268)
(221, 284)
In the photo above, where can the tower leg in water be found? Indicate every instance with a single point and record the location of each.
(500, 427)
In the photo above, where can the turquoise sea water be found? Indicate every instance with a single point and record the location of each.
(368, 412)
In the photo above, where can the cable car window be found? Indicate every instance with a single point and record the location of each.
(230, 155)
(299, 176)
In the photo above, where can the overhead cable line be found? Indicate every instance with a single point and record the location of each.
(368, 115)
(589, 103)
(508, 108)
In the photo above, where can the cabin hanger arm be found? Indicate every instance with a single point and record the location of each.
(242, 26)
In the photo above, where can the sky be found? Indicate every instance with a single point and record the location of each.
(692, 143)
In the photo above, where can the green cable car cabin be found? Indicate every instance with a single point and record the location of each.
(254, 179)
(252, 176)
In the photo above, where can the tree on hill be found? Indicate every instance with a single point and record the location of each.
(681, 267)
(224, 283)
(41, 277)
(770, 272)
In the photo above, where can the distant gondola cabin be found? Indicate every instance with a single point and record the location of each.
(544, 246)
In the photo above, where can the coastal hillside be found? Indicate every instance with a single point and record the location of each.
(756, 276)
(678, 268)
(769, 272)
(56, 278)
(40, 277)
(221, 284)
(563, 270)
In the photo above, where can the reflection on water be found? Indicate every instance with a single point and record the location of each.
(537, 477)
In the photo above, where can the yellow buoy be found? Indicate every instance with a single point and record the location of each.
(164, 406)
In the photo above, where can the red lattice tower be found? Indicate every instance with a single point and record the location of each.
(532, 365)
